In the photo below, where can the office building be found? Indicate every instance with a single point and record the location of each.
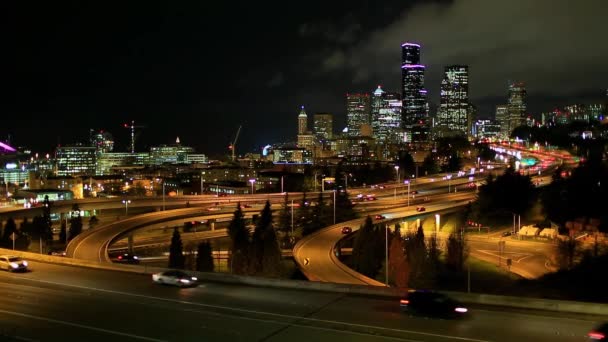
(414, 110)
(323, 126)
(502, 118)
(302, 121)
(75, 160)
(102, 141)
(487, 129)
(357, 113)
(386, 116)
(454, 105)
(516, 105)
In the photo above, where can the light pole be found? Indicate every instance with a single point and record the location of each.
(437, 222)
(408, 192)
(126, 203)
(282, 184)
(334, 206)
(386, 253)
(163, 195)
(292, 218)
(397, 171)
(252, 181)
(202, 184)
(449, 177)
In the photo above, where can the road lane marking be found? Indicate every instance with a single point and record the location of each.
(228, 308)
(83, 326)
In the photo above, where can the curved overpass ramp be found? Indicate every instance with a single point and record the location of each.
(315, 255)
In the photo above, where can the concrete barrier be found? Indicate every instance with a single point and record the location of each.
(377, 291)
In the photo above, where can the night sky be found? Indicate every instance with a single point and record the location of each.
(199, 69)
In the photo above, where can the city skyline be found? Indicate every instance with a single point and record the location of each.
(73, 71)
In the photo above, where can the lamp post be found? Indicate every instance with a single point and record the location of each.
(449, 177)
(252, 181)
(408, 192)
(126, 203)
(397, 171)
(292, 218)
(437, 222)
(282, 184)
(386, 253)
(202, 184)
(163, 194)
(334, 206)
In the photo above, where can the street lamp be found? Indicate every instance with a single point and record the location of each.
(397, 171)
(163, 195)
(386, 253)
(202, 184)
(252, 181)
(334, 206)
(126, 203)
(282, 184)
(408, 192)
(437, 222)
(449, 177)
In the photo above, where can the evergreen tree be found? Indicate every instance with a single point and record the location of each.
(367, 252)
(265, 252)
(47, 232)
(417, 258)
(239, 247)
(63, 233)
(75, 222)
(204, 257)
(456, 252)
(93, 221)
(406, 163)
(176, 251)
(319, 217)
(9, 228)
(284, 226)
(398, 267)
(567, 251)
(454, 163)
(344, 207)
(429, 164)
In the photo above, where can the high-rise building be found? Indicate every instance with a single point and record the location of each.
(517, 105)
(454, 99)
(323, 125)
(502, 118)
(102, 141)
(486, 129)
(357, 113)
(302, 121)
(414, 106)
(386, 115)
(75, 160)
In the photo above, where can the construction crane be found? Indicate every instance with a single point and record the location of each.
(132, 127)
(233, 145)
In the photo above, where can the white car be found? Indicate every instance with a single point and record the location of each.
(173, 277)
(12, 263)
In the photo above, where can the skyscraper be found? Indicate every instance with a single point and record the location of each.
(516, 105)
(302, 121)
(357, 113)
(414, 107)
(323, 126)
(502, 118)
(454, 99)
(386, 115)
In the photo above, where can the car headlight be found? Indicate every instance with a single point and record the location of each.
(135, 257)
(194, 278)
(24, 263)
(14, 265)
(461, 310)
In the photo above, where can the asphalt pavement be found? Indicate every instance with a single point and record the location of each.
(64, 303)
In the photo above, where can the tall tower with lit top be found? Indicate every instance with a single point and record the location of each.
(302, 121)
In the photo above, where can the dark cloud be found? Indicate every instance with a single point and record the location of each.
(556, 47)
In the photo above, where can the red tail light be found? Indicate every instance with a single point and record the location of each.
(596, 335)
(404, 302)
(120, 257)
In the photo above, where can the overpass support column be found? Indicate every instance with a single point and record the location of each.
(130, 243)
(212, 224)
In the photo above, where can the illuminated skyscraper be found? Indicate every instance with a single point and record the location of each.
(357, 113)
(386, 115)
(454, 99)
(414, 107)
(302, 121)
(502, 118)
(75, 160)
(517, 105)
(102, 141)
(323, 125)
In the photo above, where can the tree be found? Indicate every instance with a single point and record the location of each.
(239, 247)
(399, 271)
(456, 252)
(417, 257)
(176, 251)
(368, 251)
(93, 221)
(9, 228)
(304, 212)
(454, 163)
(47, 232)
(567, 251)
(319, 217)
(284, 225)
(266, 258)
(204, 257)
(406, 163)
(429, 164)
(75, 222)
(63, 233)
(344, 207)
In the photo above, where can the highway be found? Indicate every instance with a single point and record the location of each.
(314, 253)
(67, 303)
